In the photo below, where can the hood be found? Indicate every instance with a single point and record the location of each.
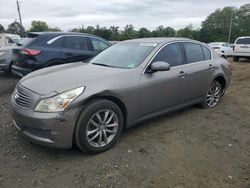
(64, 77)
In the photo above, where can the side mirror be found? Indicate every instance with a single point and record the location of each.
(159, 66)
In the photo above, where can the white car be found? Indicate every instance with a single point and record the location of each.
(223, 49)
(7, 40)
(241, 48)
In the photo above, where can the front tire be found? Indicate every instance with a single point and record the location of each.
(99, 126)
(213, 95)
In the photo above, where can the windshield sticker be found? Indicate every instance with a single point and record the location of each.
(131, 65)
(148, 44)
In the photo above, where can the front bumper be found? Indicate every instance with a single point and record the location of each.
(48, 129)
(20, 71)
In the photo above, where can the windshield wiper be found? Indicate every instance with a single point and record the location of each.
(105, 65)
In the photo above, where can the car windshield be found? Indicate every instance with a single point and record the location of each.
(124, 55)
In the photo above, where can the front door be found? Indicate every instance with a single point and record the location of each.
(164, 89)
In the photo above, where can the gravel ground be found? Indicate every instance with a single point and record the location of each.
(189, 148)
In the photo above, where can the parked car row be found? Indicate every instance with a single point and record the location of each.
(240, 49)
(223, 49)
(45, 49)
(89, 104)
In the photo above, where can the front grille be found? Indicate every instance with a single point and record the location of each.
(22, 99)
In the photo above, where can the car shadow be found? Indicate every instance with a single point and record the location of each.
(243, 60)
(7, 75)
(7, 83)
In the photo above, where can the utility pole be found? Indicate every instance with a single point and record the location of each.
(230, 28)
(19, 13)
(22, 31)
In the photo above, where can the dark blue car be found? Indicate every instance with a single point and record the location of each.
(45, 49)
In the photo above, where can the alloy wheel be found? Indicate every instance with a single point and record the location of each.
(213, 95)
(102, 128)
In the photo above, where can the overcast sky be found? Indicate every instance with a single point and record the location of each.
(67, 14)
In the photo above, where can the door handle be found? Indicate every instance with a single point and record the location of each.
(211, 67)
(182, 74)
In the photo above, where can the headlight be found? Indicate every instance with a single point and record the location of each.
(59, 102)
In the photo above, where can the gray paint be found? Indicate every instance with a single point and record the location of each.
(144, 95)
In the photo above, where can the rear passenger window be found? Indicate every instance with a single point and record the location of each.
(243, 41)
(193, 52)
(75, 43)
(98, 45)
(207, 53)
(57, 42)
(171, 54)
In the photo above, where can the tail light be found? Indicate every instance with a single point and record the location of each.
(30, 52)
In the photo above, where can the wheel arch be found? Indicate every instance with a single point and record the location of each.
(113, 99)
(221, 79)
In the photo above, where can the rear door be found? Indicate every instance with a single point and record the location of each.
(199, 69)
(76, 48)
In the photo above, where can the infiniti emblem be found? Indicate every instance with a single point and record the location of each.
(16, 96)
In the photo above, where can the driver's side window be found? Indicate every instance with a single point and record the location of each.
(171, 54)
(98, 45)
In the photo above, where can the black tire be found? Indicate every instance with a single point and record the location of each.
(205, 104)
(8, 71)
(235, 58)
(86, 115)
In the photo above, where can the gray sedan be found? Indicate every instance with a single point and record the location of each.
(130, 82)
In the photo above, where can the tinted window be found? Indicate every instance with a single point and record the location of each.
(171, 54)
(57, 43)
(75, 42)
(193, 52)
(98, 45)
(206, 52)
(243, 41)
(10, 41)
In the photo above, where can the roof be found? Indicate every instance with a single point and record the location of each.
(58, 33)
(157, 39)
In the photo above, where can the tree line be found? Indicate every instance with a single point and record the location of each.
(214, 28)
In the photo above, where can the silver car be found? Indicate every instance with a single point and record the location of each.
(90, 104)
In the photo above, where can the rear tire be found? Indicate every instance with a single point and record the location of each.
(10, 70)
(99, 126)
(213, 96)
(235, 58)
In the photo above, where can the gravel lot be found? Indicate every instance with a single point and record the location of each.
(189, 148)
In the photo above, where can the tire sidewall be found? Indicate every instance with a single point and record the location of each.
(204, 104)
(88, 111)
